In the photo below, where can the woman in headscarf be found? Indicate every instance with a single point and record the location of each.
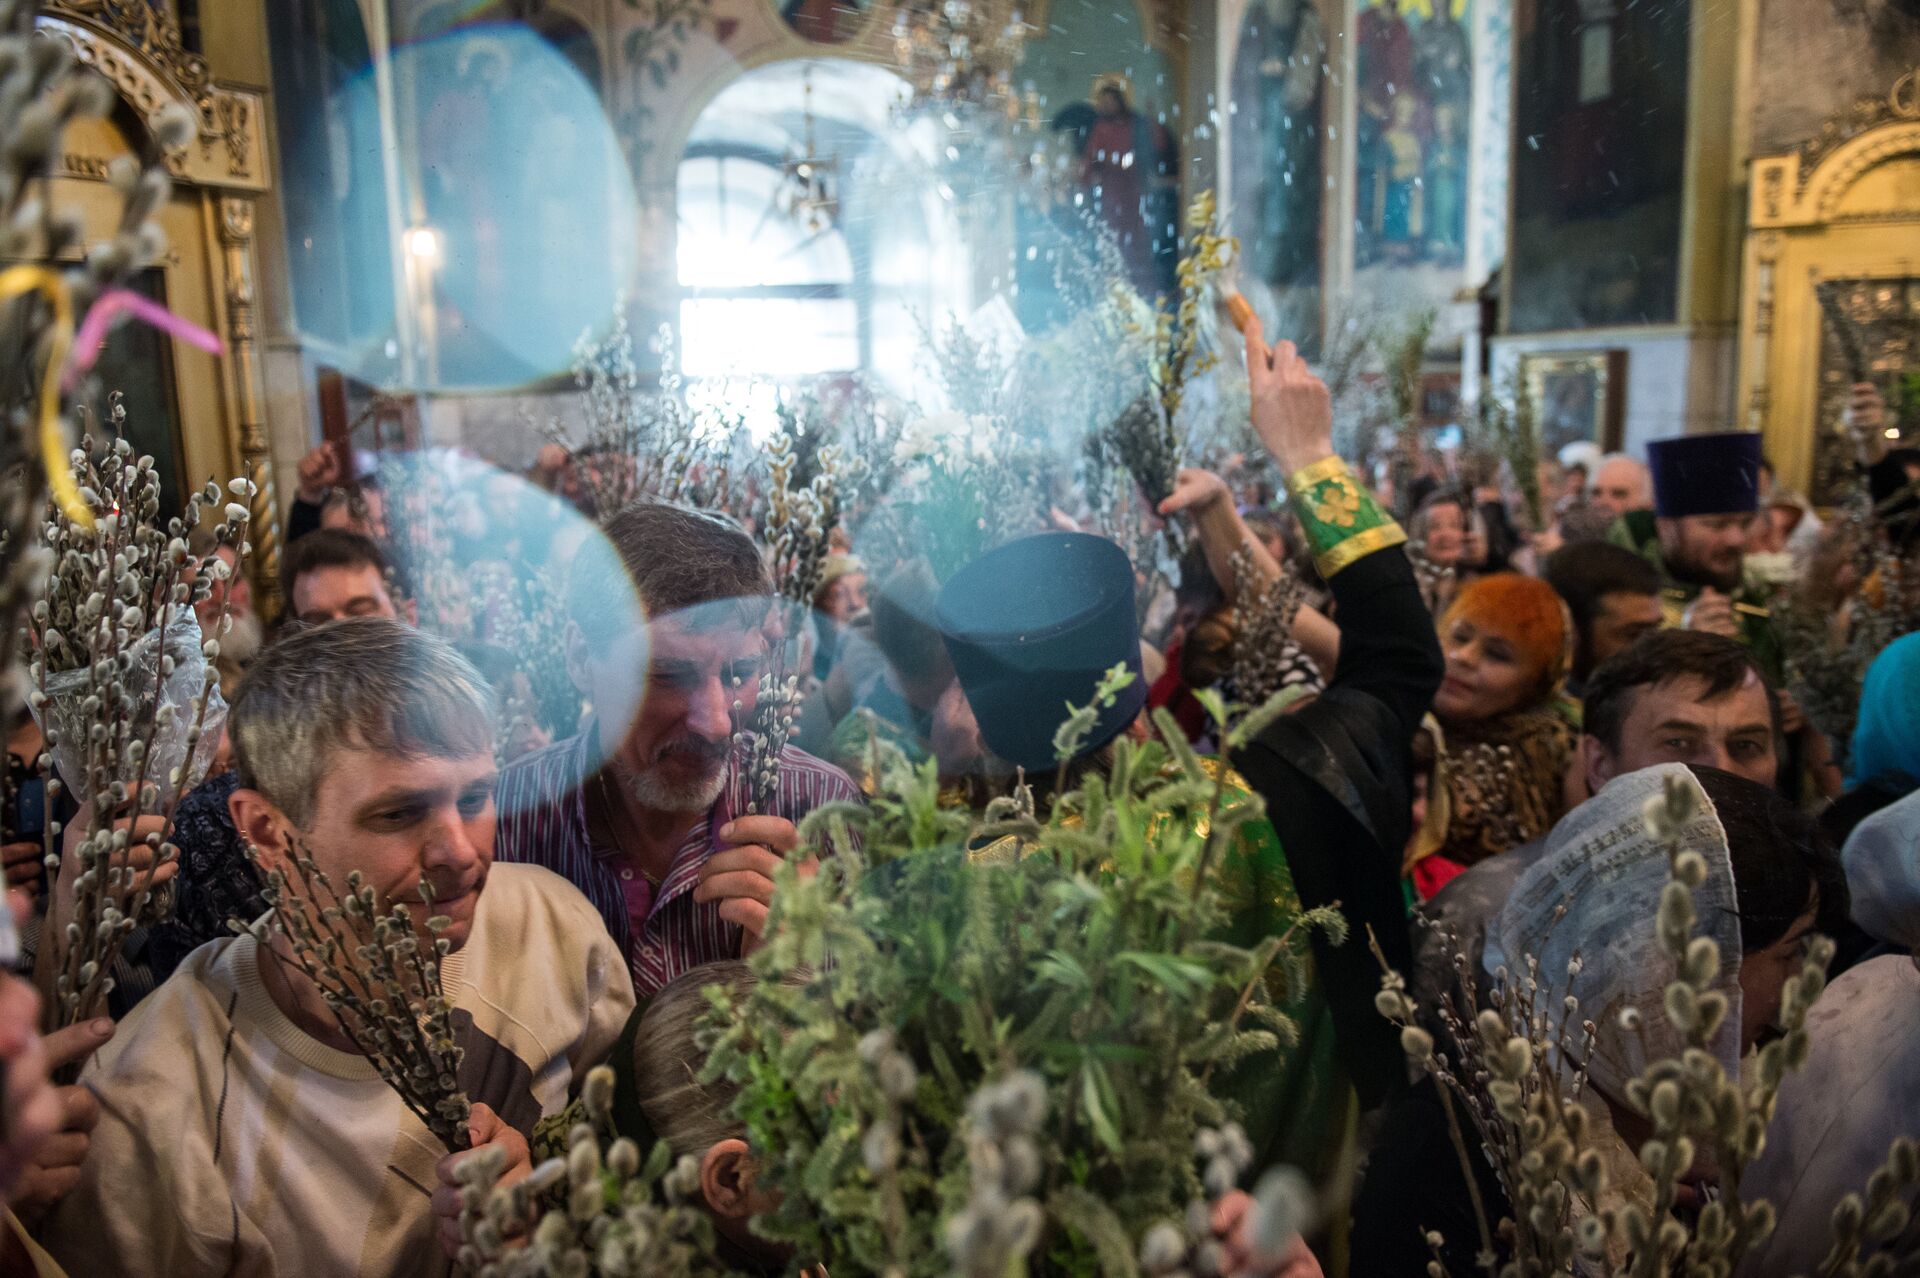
(1836, 1116)
(1505, 730)
(1883, 764)
(1439, 531)
(1772, 880)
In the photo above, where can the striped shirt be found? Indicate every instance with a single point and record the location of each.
(543, 821)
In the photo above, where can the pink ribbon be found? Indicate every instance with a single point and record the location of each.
(93, 329)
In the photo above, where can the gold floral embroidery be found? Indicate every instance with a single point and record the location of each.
(1342, 522)
(1337, 502)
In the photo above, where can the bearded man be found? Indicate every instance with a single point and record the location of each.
(645, 810)
(1706, 489)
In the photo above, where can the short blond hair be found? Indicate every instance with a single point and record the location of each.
(365, 683)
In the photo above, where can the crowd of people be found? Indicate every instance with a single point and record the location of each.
(1477, 714)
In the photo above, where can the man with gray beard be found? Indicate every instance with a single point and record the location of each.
(645, 810)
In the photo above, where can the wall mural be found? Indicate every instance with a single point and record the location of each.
(1414, 92)
(1279, 88)
(1414, 164)
(1600, 128)
(825, 21)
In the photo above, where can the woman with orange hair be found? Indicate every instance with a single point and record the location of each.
(1503, 730)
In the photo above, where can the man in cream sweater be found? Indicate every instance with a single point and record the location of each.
(240, 1132)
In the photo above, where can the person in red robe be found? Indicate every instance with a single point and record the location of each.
(1126, 165)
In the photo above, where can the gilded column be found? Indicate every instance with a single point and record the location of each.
(236, 240)
(1759, 399)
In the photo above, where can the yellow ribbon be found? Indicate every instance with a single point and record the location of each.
(16, 281)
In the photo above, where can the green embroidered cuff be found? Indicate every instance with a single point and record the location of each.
(1343, 522)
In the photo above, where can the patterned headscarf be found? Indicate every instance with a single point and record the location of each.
(1596, 896)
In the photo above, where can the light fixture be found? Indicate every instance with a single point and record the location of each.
(422, 243)
(805, 192)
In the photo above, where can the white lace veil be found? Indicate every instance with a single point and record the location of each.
(1604, 866)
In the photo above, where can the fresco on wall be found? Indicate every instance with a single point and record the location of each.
(1279, 93)
(1492, 136)
(1414, 92)
(1600, 128)
(825, 21)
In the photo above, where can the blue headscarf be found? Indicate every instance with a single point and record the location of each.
(1886, 738)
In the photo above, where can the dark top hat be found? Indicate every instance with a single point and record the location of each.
(1705, 474)
(1032, 627)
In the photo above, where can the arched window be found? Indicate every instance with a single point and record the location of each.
(762, 292)
(843, 284)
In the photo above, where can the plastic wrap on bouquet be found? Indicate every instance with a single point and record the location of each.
(71, 713)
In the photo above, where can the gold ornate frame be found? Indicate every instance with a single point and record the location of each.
(1841, 206)
(1608, 369)
(209, 267)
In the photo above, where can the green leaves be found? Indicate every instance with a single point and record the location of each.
(1089, 949)
(1064, 969)
(1081, 721)
(1181, 978)
(1088, 1216)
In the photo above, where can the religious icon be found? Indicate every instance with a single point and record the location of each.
(1129, 164)
(1577, 395)
(1415, 89)
(1281, 67)
(825, 21)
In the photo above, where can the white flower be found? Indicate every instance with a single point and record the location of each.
(949, 438)
(924, 436)
(1771, 568)
(982, 438)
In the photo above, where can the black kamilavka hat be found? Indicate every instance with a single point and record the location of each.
(1032, 627)
(1705, 474)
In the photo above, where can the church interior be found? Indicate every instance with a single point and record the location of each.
(401, 217)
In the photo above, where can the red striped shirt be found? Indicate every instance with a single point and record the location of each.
(543, 821)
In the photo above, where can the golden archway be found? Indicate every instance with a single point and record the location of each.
(207, 274)
(1842, 208)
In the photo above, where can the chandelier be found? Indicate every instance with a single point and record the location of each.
(805, 193)
(961, 53)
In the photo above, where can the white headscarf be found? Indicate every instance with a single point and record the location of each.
(1882, 859)
(1604, 866)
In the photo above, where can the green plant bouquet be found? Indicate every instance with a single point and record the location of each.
(1176, 347)
(961, 485)
(1103, 963)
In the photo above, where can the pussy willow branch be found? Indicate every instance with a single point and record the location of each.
(107, 584)
(381, 985)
